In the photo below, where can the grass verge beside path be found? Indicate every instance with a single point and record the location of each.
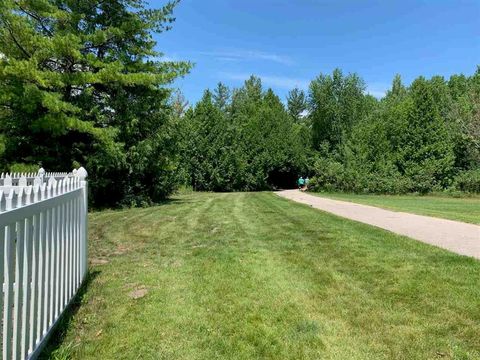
(255, 276)
(461, 209)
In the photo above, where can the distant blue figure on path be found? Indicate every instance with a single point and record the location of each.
(300, 183)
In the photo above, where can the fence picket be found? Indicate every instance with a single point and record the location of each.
(2, 268)
(62, 247)
(69, 250)
(48, 272)
(41, 276)
(27, 274)
(9, 291)
(34, 290)
(56, 262)
(19, 254)
(76, 243)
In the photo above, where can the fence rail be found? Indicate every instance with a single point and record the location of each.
(43, 235)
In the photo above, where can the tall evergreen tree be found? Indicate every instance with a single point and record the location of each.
(79, 86)
(209, 153)
(427, 153)
(221, 96)
(398, 89)
(296, 104)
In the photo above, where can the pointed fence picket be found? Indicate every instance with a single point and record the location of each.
(43, 260)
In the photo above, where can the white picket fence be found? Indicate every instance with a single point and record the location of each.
(43, 237)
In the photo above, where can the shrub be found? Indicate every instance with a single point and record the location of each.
(24, 168)
(468, 181)
(329, 175)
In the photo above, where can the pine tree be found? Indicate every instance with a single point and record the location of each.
(427, 155)
(296, 104)
(80, 86)
(398, 90)
(221, 96)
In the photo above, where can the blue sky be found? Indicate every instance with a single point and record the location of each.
(289, 42)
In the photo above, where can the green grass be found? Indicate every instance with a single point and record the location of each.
(254, 276)
(466, 209)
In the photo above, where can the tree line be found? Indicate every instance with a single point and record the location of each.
(421, 138)
(82, 84)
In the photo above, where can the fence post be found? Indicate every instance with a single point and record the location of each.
(82, 174)
(41, 174)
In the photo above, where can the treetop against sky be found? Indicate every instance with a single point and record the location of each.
(288, 43)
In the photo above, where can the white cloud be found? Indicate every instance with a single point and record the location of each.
(248, 55)
(269, 80)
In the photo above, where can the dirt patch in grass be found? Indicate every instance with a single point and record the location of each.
(138, 293)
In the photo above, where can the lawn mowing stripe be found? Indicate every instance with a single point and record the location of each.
(251, 275)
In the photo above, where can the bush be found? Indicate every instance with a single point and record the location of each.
(332, 175)
(468, 181)
(24, 168)
(329, 176)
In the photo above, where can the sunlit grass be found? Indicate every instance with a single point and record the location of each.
(254, 276)
(466, 209)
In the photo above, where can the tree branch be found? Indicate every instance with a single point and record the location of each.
(15, 40)
(38, 19)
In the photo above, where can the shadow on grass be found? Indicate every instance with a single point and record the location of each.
(58, 335)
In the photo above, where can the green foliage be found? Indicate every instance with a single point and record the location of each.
(468, 181)
(414, 140)
(465, 119)
(221, 96)
(329, 175)
(426, 152)
(80, 87)
(23, 168)
(2, 145)
(248, 143)
(336, 103)
(208, 151)
(296, 104)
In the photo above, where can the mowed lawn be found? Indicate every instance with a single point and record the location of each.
(255, 276)
(466, 209)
